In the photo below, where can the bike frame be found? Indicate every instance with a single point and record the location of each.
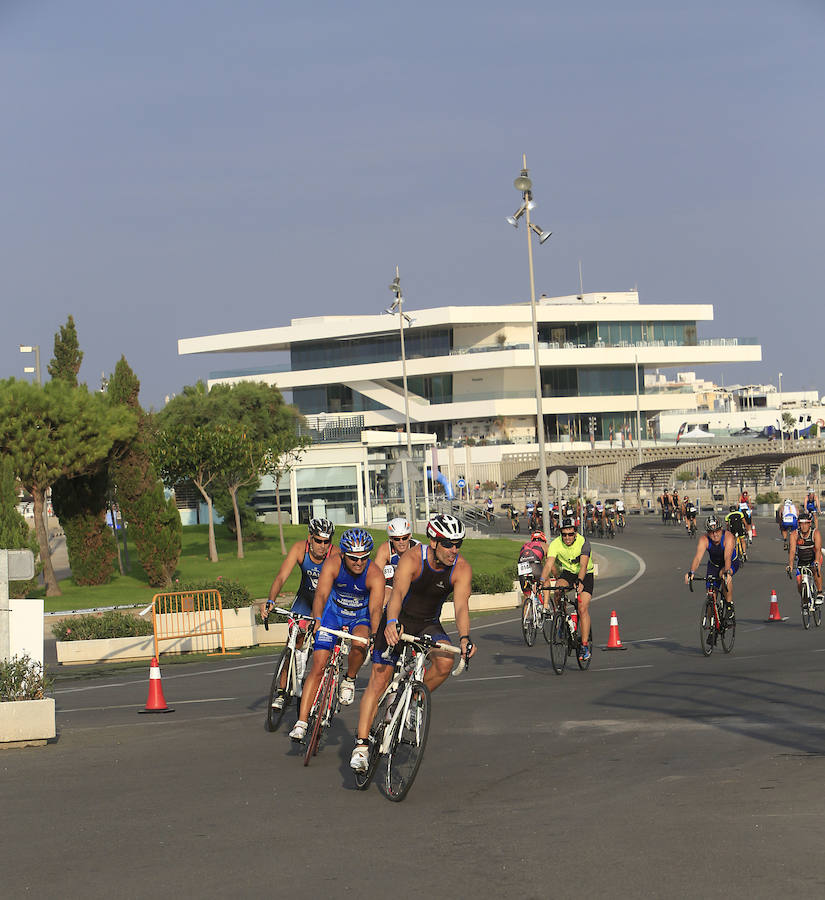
(296, 625)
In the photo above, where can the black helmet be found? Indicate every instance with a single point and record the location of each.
(567, 522)
(712, 524)
(804, 516)
(321, 528)
(733, 508)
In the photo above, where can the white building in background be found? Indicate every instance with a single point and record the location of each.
(471, 375)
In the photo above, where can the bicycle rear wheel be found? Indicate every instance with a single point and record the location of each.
(315, 726)
(707, 627)
(558, 642)
(728, 632)
(806, 607)
(274, 716)
(528, 622)
(407, 750)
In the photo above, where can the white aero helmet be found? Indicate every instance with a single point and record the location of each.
(399, 527)
(445, 526)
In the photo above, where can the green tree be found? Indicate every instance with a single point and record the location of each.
(67, 354)
(15, 533)
(81, 502)
(153, 521)
(56, 431)
(789, 423)
(286, 452)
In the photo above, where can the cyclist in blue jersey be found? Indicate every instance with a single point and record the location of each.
(424, 579)
(350, 594)
(812, 505)
(309, 556)
(722, 557)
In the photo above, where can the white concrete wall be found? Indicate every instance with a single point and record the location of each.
(26, 628)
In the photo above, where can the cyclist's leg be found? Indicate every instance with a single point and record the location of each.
(584, 607)
(379, 679)
(441, 664)
(313, 679)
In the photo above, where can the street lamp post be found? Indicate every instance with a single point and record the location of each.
(524, 185)
(398, 307)
(35, 369)
(781, 428)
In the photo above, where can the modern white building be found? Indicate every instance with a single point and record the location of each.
(471, 382)
(470, 368)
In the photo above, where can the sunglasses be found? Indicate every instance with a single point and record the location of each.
(449, 545)
(404, 537)
(568, 534)
(321, 540)
(354, 558)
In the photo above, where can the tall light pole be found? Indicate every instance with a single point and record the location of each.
(524, 186)
(398, 307)
(781, 423)
(35, 370)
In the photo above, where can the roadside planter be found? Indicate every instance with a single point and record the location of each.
(26, 723)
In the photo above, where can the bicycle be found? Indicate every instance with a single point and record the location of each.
(532, 610)
(402, 721)
(620, 521)
(326, 704)
(287, 666)
(742, 548)
(715, 622)
(564, 637)
(805, 578)
(691, 526)
(611, 528)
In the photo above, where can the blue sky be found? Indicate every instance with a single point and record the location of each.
(174, 169)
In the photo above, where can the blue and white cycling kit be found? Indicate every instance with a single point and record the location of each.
(348, 606)
(789, 517)
(716, 558)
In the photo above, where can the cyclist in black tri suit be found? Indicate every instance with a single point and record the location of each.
(723, 560)
(424, 578)
(806, 546)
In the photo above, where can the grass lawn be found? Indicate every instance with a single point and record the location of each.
(256, 571)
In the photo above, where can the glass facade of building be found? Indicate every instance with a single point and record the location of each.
(591, 381)
(332, 398)
(355, 351)
(615, 334)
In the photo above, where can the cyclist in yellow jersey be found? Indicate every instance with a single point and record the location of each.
(569, 559)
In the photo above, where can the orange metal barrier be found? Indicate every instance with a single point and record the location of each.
(189, 616)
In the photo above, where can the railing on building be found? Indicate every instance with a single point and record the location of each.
(326, 429)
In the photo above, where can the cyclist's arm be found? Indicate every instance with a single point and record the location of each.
(376, 583)
(547, 571)
(293, 557)
(701, 546)
(818, 548)
(462, 580)
(791, 549)
(328, 572)
(730, 545)
(584, 561)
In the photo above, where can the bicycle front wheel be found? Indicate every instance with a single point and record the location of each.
(407, 749)
(728, 628)
(707, 627)
(379, 723)
(558, 642)
(274, 716)
(315, 726)
(528, 622)
(806, 607)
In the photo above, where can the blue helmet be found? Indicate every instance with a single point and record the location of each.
(356, 540)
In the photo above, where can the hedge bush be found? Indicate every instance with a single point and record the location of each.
(22, 678)
(492, 582)
(234, 595)
(770, 497)
(95, 626)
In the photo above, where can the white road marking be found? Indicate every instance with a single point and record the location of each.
(487, 678)
(139, 705)
(620, 668)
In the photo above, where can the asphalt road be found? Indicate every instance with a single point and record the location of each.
(656, 773)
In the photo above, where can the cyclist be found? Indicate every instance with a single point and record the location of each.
(512, 512)
(350, 594)
(677, 506)
(488, 512)
(788, 520)
(309, 555)
(532, 553)
(806, 546)
(689, 513)
(735, 521)
(723, 560)
(665, 503)
(424, 579)
(620, 513)
(400, 540)
(569, 559)
(610, 519)
(812, 505)
(745, 508)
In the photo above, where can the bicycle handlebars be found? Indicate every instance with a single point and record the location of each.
(345, 635)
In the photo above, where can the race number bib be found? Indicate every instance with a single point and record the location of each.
(389, 571)
(525, 568)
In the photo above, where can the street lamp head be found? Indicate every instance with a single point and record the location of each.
(24, 348)
(543, 235)
(523, 182)
(512, 220)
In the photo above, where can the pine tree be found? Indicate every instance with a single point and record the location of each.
(80, 503)
(153, 521)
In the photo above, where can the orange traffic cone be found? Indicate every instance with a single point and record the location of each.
(773, 615)
(614, 642)
(155, 702)
(753, 529)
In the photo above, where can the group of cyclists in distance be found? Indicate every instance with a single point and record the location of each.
(599, 516)
(402, 591)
